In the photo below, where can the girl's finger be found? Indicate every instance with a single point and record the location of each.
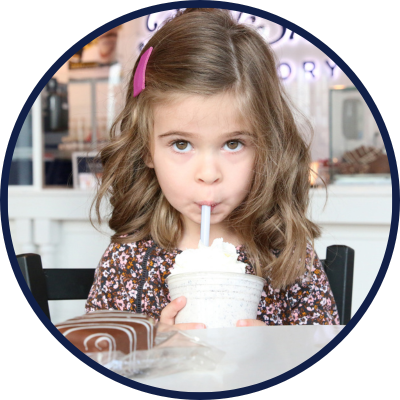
(168, 314)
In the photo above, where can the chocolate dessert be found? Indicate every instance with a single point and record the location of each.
(110, 330)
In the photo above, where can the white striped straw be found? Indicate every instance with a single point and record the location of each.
(205, 225)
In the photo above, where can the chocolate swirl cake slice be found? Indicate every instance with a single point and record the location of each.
(110, 330)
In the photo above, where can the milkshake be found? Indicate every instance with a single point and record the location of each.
(216, 286)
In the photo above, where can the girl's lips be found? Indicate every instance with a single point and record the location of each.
(207, 203)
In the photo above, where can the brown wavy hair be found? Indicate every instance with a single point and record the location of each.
(205, 52)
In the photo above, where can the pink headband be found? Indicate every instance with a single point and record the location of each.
(139, 78)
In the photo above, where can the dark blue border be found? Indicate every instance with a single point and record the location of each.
(395, 199)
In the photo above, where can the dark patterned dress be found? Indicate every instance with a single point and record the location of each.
(131, 277)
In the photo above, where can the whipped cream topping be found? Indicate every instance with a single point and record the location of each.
(220, 256)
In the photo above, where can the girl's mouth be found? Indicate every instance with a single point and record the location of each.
(208, 203)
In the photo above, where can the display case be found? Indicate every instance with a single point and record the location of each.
(73, 114)
(357, 151)
(77, 117)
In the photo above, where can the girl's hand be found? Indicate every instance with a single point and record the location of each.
(169, 313)
(249, 322)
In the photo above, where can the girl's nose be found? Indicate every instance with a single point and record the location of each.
(208, 170)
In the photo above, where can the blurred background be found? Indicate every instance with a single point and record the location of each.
(51, 177)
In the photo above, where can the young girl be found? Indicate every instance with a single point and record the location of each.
(206, 121)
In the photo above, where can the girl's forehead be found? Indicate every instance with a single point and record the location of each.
(192, 110)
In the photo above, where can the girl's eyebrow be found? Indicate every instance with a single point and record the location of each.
(196, 135)
(178, 133)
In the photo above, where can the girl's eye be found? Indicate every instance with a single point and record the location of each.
(181, 146)
(233, 145)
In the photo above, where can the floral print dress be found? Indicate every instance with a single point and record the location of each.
(132, 277)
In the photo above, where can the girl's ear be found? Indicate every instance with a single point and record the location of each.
(148, 160)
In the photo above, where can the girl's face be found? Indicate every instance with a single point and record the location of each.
(202, 153)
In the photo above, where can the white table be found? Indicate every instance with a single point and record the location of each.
(252, 355)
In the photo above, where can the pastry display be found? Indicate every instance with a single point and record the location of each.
(364, 160)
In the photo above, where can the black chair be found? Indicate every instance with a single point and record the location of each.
(74, 284)
(55, 283)
(339, 267)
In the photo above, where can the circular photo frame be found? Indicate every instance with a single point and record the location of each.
(285, 38)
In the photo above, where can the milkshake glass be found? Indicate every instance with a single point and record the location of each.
(215, 296)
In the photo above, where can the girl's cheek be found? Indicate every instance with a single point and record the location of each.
(183, 157)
